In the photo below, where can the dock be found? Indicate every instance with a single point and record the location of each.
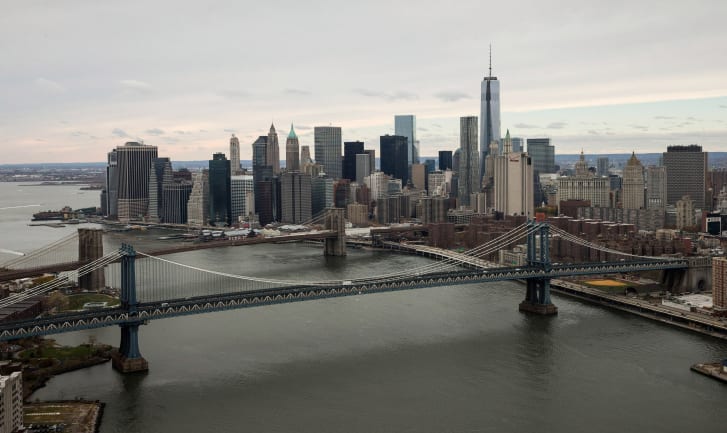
(713, 370)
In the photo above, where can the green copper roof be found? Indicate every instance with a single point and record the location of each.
(292, 132)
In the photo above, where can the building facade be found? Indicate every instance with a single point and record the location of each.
(198, 203)
(685, 213)
(242, 198)
(489, 119)
(469, 161)
(11, 402)
(176, 201)
(656, 187)
(350, 150)
(542, 154)
(295, 191)
(133, 162)
(292, 151)
(393, 151)
(363, 167)
(686, 174)
(327, 147)
(719, 285)
(513, 184)
(632, 196)
(219, 181)
(272, 155)
(584, 186)
(406, 126)
(235, 155)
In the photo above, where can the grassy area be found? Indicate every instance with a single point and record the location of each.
(61, 353)
(75, 302)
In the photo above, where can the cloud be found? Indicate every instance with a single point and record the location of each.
(664, 117)
(525, 126)
(451, 96)
(291, 91)
(640, 127)
(49, 85)
(722, 106)
(234, 94)
(593, 132)
(557, 125)
(396, 96)
(154, 131)
(78, 133)
(120, 133)
(136, 86)
(230, 130)
(302, 127)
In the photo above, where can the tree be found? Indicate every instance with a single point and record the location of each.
(58, 300)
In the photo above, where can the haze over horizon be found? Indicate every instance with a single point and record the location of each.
(607, 78)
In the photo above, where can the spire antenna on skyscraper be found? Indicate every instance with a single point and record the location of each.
(490, 75)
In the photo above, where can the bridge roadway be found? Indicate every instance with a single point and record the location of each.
(14, 274)
(204, 304)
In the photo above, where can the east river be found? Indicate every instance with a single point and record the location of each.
(443, 359)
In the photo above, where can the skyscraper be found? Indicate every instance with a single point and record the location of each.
(234, 154)
(260, 152)
(198, 203)
(584, 186)
(490, 118)
(469, 161)
(292, 151)
(633, 183)
(219, 178)
(175, 196)
(602, 165)
(160, 174)
(242, 197)
(513, 181)
(363, 167)
(542, 154)
(327, 148)
(656, 187)
(518, 144)
(273, 150)
(406, 126)
(686, 174)
(321, 194)
(393, 151)
(134, 160)
(350, 150)
(445, 160)
(295, 191)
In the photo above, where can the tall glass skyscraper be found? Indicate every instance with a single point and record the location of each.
(219, 178)
(406, 126)
(393, 157)
(327, 145)
(489, 118)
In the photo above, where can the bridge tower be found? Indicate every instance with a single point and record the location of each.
(90, 248)
(128, 359)
(335, 221)
(537, 295)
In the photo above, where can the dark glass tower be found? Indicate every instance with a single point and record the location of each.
(350, 150)
(445, 160)
(220, 198)
(394, 154)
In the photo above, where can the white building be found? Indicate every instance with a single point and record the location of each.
(199, 200)
(584, 186)
(633, 184)
(513, 185)
(378, 184)
(242, 196)
(11, 402)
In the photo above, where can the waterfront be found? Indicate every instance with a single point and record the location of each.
(431, 360)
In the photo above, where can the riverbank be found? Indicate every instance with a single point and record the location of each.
(713, 370)
(686, 320)
(75, 416)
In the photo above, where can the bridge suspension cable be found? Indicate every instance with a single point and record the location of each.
(162, 277)
(56, 252)
(61, 279)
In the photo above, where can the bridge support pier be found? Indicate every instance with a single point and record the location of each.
(537, 294)
(335, 221)
(537, 298)
(128, 358)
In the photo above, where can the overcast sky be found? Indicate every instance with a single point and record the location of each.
(78, 78)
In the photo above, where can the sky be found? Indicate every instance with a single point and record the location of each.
(79, 77)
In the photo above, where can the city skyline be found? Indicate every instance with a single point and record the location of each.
(585, 82)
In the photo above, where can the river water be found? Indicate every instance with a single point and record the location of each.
(443, 359)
